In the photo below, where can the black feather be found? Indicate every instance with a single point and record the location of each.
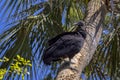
(64, 45)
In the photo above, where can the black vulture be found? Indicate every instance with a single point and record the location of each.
(65, 45)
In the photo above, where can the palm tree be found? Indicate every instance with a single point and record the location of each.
(26, 25)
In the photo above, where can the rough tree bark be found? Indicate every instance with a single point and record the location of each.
(94, 19)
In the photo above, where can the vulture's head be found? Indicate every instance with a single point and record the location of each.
(80, 25)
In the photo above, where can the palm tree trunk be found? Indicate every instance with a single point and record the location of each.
(94, 19)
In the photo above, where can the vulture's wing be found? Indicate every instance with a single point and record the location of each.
(53, 40)
(65, 46)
